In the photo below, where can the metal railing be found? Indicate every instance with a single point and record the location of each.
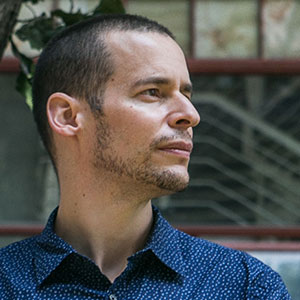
(249, 169)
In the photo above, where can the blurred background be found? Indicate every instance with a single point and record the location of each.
(244, 59)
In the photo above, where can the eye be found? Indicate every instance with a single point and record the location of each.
(151, 92)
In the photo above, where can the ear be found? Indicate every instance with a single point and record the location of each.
(62, 112)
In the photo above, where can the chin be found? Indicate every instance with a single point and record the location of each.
(172, 182)
(164, 180)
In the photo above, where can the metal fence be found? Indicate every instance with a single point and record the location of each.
(246, 165)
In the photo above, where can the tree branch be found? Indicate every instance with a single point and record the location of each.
(9, 11)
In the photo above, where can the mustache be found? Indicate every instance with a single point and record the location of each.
(184, 136)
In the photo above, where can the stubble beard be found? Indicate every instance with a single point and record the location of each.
(142, 171)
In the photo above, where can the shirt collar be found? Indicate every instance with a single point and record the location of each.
(51, 250)
(163, 241)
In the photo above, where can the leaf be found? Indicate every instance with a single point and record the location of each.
(32, 1)
(37, 32)
(26, 64)
(69, 18)
(109, 7)
(40, 30)
(23, 83)
(24, 87)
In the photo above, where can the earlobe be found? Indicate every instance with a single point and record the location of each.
(62, 113)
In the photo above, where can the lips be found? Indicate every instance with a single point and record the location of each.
(178, 148)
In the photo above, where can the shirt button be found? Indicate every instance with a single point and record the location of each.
(112, 297)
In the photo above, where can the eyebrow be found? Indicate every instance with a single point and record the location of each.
(186, 87)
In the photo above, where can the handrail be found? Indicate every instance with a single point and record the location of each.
(262, 246)
(283, 162)
(268, 172)
(284, 92)
(22, 230)
(247, 183)
(213, 66)
(210, 231)
(248, 118)
(214, 206)
(286, 232)
(244, 66)
(264, 213)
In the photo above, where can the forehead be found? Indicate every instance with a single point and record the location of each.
(144, 54)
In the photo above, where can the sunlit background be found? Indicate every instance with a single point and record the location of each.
(244, 57)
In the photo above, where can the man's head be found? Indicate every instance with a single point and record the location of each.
(78, 62)
(137, 119)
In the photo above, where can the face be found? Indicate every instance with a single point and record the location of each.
(145, 133)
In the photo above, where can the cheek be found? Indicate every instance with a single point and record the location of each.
(136, 128)
(138, 118)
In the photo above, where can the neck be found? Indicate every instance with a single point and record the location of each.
(105, 226)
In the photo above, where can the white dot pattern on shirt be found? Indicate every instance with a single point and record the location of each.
(173, 265)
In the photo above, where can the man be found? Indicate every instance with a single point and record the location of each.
(112, 101)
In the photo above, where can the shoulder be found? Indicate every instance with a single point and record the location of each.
(198, 250)
(232, 269)
(17, 250)
(16, 262)
(200, 253)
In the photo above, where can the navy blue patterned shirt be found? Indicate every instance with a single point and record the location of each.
(172, 265)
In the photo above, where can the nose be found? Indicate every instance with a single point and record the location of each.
(183, 114)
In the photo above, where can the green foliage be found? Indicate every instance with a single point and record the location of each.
(40, 29)
(24, 79)
(69, 18)
(32, 1)
(109, 7)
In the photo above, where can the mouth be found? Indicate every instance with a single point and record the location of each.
(182, 149)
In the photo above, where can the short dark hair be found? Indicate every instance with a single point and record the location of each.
(77, 62)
